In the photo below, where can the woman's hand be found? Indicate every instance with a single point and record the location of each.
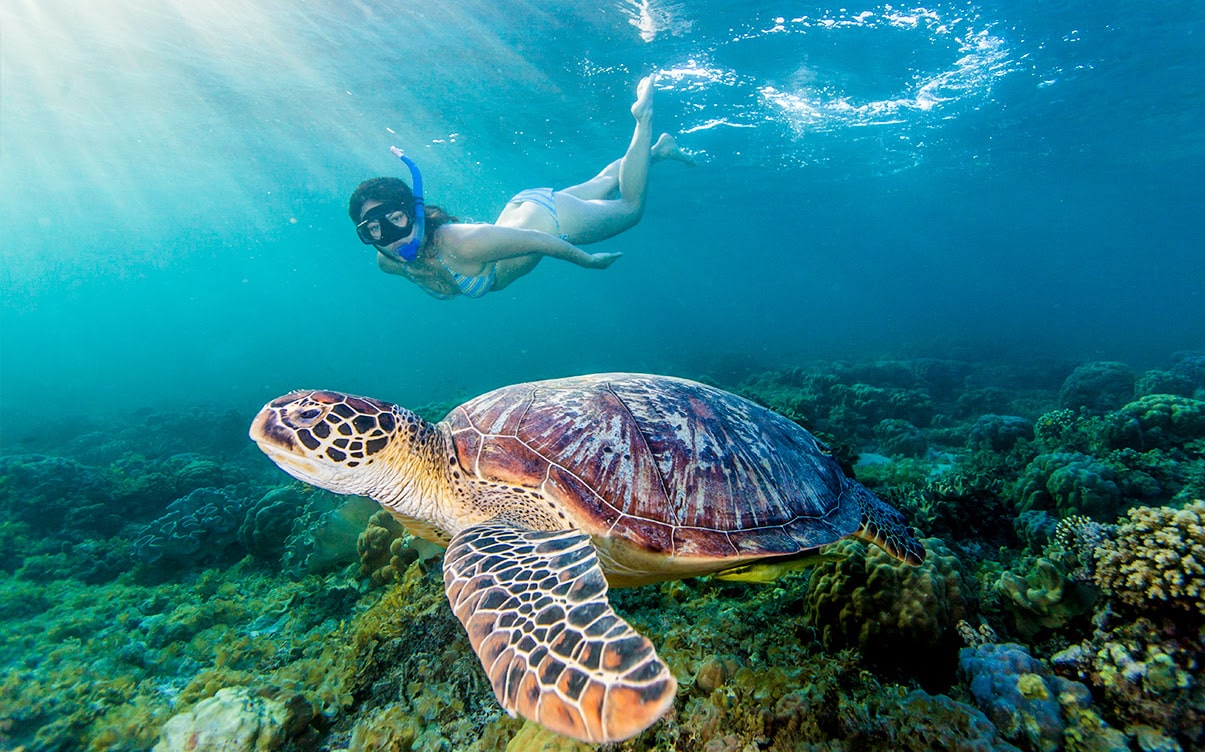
(601, 260)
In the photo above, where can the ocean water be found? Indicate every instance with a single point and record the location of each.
(962, 242)
(1015, 180)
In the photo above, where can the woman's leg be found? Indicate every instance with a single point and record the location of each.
(605, 184)
(589, 220)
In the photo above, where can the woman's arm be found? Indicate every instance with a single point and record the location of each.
(474, 245)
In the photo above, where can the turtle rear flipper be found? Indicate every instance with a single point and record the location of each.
(534, 604)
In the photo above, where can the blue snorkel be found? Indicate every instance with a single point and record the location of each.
(409, 252)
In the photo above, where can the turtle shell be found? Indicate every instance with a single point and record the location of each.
(673, 466)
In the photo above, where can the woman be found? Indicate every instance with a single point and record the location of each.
(447, 258)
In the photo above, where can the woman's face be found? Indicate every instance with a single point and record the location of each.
(390, 225)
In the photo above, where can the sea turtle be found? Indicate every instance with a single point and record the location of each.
(545, 492)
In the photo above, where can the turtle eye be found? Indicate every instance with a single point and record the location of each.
(304, 416)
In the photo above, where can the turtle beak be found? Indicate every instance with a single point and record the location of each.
(271, 436)
(280, 444)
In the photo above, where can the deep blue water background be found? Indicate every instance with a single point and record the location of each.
(995, 180)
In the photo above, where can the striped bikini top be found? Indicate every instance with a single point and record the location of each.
(470, 286)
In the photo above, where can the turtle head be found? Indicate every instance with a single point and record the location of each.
(331, 440)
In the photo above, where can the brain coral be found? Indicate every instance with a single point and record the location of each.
(1069, 483)
(891, 612)
(1156, 559)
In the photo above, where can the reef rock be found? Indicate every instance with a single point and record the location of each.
(236, 719)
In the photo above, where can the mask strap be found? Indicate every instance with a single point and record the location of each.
(409, 252)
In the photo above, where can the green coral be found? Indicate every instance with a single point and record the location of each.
(384, 549)
(1167, 420)
(894, 614)
(1041, 596)
(1098, 387)
(1069, 483)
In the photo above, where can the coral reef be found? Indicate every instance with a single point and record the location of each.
(998, 432)
(1147, 676)
(200, 526)
(325, 532)
(1164, 382)
(56, 496)
(1165, 421)
(1043, 597)
(900, 438)
(316, 617)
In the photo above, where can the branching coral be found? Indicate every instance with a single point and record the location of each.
(1156, 559)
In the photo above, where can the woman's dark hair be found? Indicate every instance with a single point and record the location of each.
(395, 190)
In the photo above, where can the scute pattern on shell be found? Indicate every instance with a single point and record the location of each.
(675, 466)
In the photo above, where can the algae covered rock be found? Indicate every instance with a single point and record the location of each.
(236, 719)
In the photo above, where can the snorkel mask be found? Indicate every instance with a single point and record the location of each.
(378, 226)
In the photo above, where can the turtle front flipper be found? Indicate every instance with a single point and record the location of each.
(885, 527)
(534, 604)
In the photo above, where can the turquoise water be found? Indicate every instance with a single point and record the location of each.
(1014, 180)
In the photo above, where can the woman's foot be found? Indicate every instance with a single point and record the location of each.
(642, 108)
(667, 148)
